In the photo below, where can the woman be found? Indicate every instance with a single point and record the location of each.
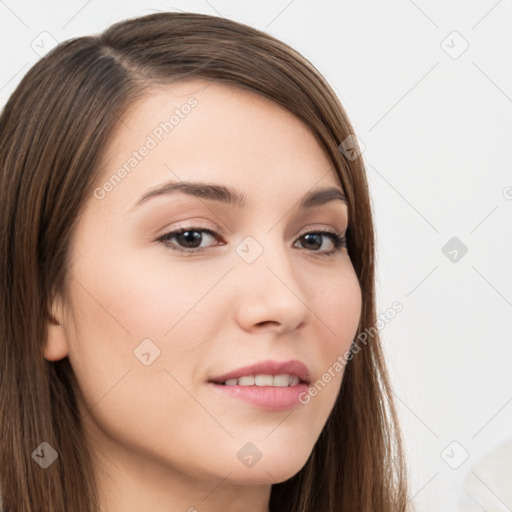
(187, 277)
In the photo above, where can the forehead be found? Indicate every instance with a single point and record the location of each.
(210, 131)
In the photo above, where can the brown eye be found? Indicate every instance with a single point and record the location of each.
(187, 239)
(315, 239)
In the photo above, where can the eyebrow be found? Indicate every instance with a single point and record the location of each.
(232, 197)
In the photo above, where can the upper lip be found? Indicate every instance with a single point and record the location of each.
(268, 367)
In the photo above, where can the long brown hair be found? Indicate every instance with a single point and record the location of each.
(53, 130)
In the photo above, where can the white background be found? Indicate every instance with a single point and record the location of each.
(437, 127)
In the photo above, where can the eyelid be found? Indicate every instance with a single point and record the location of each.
(193, 225)
(200, 224)
(321, 227)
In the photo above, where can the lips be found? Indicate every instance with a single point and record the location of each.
(268, 367)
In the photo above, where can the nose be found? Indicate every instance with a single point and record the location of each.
(270, 291)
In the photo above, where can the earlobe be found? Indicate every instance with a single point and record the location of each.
(56, 346)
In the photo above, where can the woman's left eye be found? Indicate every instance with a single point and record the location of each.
(188, 240)
(337, 240)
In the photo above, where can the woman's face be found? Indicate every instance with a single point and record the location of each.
(147, 326)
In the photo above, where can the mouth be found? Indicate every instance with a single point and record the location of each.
(266, 373)
(262, 380)
(269, 385)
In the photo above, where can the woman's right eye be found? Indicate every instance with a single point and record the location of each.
(187, 240)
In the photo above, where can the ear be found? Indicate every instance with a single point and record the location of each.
(56, 342)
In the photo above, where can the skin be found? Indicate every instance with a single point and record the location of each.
(162, 439)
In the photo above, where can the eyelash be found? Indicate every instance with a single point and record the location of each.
(339, 240)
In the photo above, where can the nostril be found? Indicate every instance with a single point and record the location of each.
(262, 324)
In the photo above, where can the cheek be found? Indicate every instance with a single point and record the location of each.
(134, 318)
(134, 344)
(146, 293)
(336, 313)
(336, 310)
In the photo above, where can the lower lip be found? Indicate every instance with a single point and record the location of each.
(270, 398)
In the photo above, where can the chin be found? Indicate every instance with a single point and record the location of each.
(273, 470)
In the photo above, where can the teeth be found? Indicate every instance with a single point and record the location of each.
(294, 380)
(246, 380)
(279, 381)
(263, 380)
